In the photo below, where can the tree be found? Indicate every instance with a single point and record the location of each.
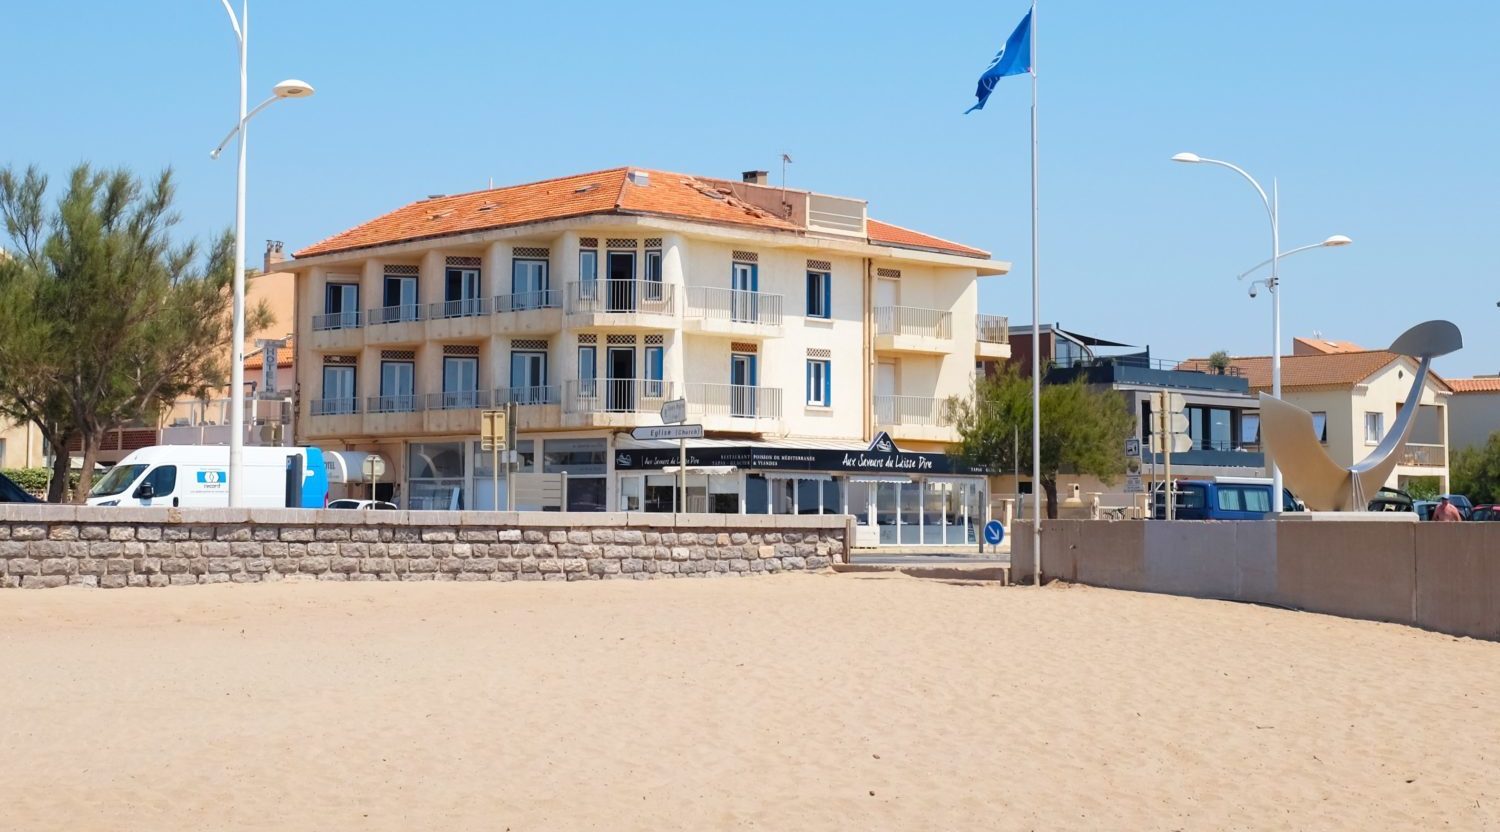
(116, 320)
(1476, 471)
(1219, 362)
(1083, 429)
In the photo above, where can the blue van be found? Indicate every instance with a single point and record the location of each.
(1222, 498)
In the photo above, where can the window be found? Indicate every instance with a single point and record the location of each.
(1374, 428)
(163, 480)
(1242, 498)
(819, 295)
(655, 372)
(653, 274)
(588, 271)
(528, 284)
(1320, 426)
(399, 292)
(396, 387)
(528, 377)
(819, 382)
(435, 476)
(461, 293)
(340, 306)
(1250, 430)
(338, 389)
(460, 381)
(744, 283)
(576, 456)
(588, 371)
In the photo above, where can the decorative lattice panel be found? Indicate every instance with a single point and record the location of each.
(820, 265)
(655, 340)
(588, 242)
(587, 338)
(653, 242)
(528, 343)
(743, 346)
(888, 272)
(464, 262)
(819, 353)
(401, 271)
(345, 360)
(532, 252)
(470, 350)
(746, 257)
(619, 242)
(620, 340)
(398, 355)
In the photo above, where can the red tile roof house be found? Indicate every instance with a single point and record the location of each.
(785, 318)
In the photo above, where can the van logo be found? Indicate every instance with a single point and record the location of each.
(210, 477)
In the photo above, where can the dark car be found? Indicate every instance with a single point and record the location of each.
(1392, 499)
(12, 493)
(1488, 511)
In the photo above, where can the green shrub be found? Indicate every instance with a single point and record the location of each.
(34, 480)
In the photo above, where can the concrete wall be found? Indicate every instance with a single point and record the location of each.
(1439, 576)
(48, 546)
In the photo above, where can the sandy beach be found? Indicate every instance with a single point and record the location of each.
(789, 702)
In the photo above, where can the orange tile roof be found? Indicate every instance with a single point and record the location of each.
(883, 233)
(677, 195)
(1481, 384)
(1324, 346)
(1344, 369)
(284, 357)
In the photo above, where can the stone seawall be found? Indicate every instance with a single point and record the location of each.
(49, 546)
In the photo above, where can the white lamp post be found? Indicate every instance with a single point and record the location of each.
(285, 89)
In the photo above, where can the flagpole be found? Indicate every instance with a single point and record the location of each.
(1036, 340)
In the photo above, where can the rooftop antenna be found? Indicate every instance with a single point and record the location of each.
(786, 159)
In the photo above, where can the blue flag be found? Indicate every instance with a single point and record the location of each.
(1014, 58)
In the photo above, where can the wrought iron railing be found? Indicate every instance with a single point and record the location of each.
(336, 320)
(521, 301)
(334, 407)
(405, 403)
(394, 314)
(459, 400)
(461, 308)
(524, 396)
(992, 329)
(621, 296)
(616, 395)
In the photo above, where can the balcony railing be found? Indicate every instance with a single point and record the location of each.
(714, 303)
(992, 329)
(1424, 456)
(652, 297)
(909, 320)
(616, 395)
(736, 400)
(334, 407)
(521, 301)
(524, 396)
(406, 403)
(459, 400)
(394, 314)
(335, 320)
(462, 308)
(912, 410)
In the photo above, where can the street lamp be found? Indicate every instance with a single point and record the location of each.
(1332, 242)
(286, 89)
(1273, 284)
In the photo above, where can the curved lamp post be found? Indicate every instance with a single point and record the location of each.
(286, 89)
(1272, 283)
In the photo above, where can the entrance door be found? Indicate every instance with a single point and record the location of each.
(742, 385)
(621, 286)
(620, 381)
(744, 288)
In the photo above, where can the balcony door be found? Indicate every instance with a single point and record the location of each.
(528, 377)
(744, 286)
(742, 389)
(620, 269)
(461, 293)
(460, 381)
(400, 293)
(528, 284)
(342, 300)
(338, 389)
(396, 385)
(620, 395)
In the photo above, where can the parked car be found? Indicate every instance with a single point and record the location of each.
(1392, 499)
(379, 505)
(1222, 498)
(1488, 511)
(12, 493)
(198, 476)
(1424, 508)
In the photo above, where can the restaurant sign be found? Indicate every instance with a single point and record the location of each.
(881, 457)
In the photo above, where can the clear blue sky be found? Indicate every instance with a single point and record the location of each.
(1379, 118)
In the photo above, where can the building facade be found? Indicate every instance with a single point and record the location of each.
(1473, 411)
(815, 346)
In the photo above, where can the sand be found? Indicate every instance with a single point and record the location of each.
(797, 702)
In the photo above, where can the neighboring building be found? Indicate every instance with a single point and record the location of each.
(1223, 415)
(22, 446)
(1473, 411)
(816, 346)
(1354, 396)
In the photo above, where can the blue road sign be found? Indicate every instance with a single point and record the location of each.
(994, 532)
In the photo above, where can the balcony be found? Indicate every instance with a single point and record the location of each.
(534, 313)
(394, 325)
(622, 304)
(455, 411)
(464, 318)
(735, 407)
(336, 331)
(713, 310)
(1148, 372)
(393, 414)
(332, 418)
(915, 417)
(537, 408)
(1424, 456)
(615, 402)
(910, 329)
(268, 421)
(991, 336)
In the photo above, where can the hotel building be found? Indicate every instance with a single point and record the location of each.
(817, 347)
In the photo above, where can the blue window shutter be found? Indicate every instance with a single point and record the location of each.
(810, 370)
(827, 382)
(827, 281)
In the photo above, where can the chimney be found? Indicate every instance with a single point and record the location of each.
(755, 177)
(273, 256)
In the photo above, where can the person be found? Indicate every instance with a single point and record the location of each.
(1446, 511)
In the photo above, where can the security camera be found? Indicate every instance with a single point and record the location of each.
(1253, 291)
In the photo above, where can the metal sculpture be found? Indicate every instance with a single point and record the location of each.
(1292, 444)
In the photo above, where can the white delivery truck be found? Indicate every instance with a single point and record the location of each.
(197, 476)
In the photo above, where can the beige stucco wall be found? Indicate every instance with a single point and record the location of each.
(22, 446)
(1472, 417)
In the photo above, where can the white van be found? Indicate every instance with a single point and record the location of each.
(197, 476)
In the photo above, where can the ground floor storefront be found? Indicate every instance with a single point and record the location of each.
(897, 497)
